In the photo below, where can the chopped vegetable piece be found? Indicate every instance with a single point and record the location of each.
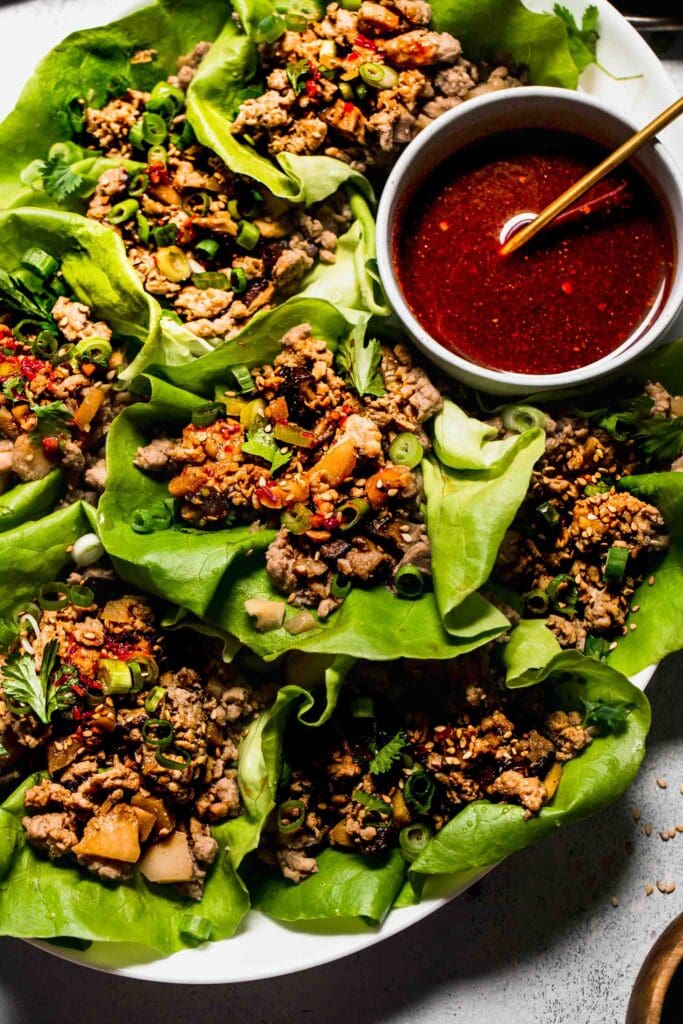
(615, 565)
(168, 861)
(114, 675)
(409, 581)
(379, 76)
(124, 211)
(291, 815)
(206, 415)
(87, 550)
(413, 839)
(195, 928)
(406, 450)
(522, 417)
(39, 262)
(209, 247)
(352, 512)
(248, 235)
(270, 28)
(537, 601)
(289, 433)
(297, 519)
(266, 615)
(210, 279)
(340, 586)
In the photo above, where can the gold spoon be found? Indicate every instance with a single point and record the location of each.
(525, 234)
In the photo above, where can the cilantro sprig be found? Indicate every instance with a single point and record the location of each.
(25, 687)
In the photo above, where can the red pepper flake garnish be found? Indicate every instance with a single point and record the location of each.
(348, 107)
(364, 42)
(444, 225)
(311, 88)
(353, 56)
(50, 445)
(79, 690)
(5, 332)
(567, 288)
(158, 174)
(31, 367)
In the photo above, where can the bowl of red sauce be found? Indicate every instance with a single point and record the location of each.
(591, 292)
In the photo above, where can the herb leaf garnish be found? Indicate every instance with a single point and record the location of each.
(386, 755)
(23, 685)
(360, 361)
(609, 716)
(59, 180)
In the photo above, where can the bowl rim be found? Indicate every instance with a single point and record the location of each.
(502, 380)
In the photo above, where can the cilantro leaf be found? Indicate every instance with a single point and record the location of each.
(660, 438)
(24, 686)
(59, 180)
(296, 74)
(386, 755)
(360, 361)
(610, 716)
(17, 298)
(373, 803)
(262, 445)
(582, 40)
(53, 419)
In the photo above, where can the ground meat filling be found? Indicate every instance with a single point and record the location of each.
(417, 753)
(346, 511)
(320, 97)
(57, 397)
(560, 550)
(205, 242)
(141, 754)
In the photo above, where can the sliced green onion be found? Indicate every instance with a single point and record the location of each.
(409, 582)
(269, 29)
(173, 263)
(53, 596)
(124, 211)
(419, 791)
(165, 234)
(537, 601)
(548, 513)
(25, 328)
(256, 202)
(362, 707)
(522, 417)
(151, 520)
(209, 247)
(195, 928)
(164, 90)
(114, 675)
(297, 519)
(143, 671)
(346, 89)
(69, 152)
(30, 281)
(206, 415)
(413, 839)
(289, 433)
(154, 699)
(180, 760)
(211, 279)
(135, 136)
(45, 345)
(379, 76)
(138, 185)
(615, 566)
(81, 596)
(563, 593)
(87, 550)
(351, 513)
(185, 137)
(247, 235)
(153, 129)
(596, 647)
(162, 106)
(156, 155)
(350, 5)
(39, 262)
(242, 377)
(340, 586)
(309, 10)
(32, 174)
(287, 810)
(602, 486)
(143, 227)
(238, 280)
(197, 204)
(92, 350)
(158, 732)
(233, 208)
(406, 450)
(57, 286)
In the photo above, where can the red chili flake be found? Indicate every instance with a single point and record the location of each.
(121, 650)
(311, 88)
(317, 520)
(348, 107)
(331, 522)
(158, 174)
(266, 495)
(5, 332)
(79, 690)
(314, 72)
(367, 44)
(567, 288)
(50, 445)
(31, 367)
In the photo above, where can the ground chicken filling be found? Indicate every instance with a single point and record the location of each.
(139, 747)
(411, 745)
(215, 248)
(358, 85)
(580, 546)
(304, 452)
(57, 397)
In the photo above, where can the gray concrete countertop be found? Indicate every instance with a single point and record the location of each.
(538, 941)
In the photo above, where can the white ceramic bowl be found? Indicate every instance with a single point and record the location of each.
(516, 110)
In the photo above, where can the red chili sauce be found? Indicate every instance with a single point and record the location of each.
(568, 297)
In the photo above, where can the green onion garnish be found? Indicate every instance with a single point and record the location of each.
(195, 928)
(242, 376)
(289, 433)
(563, 593)
(340, 586)
(185, 137)
(32, 174)
(548, 513)
(419, 791)
(297, 519)
(157, 155)
(413, 839)
(197, 204)
(351, 513)
(173, 263)
(409, 582)
(124, 211)
(269, 29)
(92, 350)
(154, 699)
(379, 76)
(153, 129)
(57, 286)
(39, 262)
(152, 520)
(114, 676)
(53, 596)
(165, 234)
(206, 415)
(158, 732)
(522, 417)
(291, 815)
(69, 152)
(81, 597)
(211, 279)
(247, 235)
(143, 227)
(45, 345)
(362, 707)
(144, 671)
(238, 280)
(615, 566)
(406, 450)
(177, 763)
(537, 601)
(138, 185)
(87, 550)
(164, 90)
(208, 247)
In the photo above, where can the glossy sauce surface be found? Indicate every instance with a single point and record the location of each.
(567, 298)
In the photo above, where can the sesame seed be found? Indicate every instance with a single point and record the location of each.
(649, 889)
(671, 887)
(636, 813)
(392, 492)
(651, 581)
(380, 485)
(262, 481)
(664, 836)
(615, 901)
(662, 783)
(613, 647)
(679, 828)
(661, 886)
(647, 828)
(636, 608)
